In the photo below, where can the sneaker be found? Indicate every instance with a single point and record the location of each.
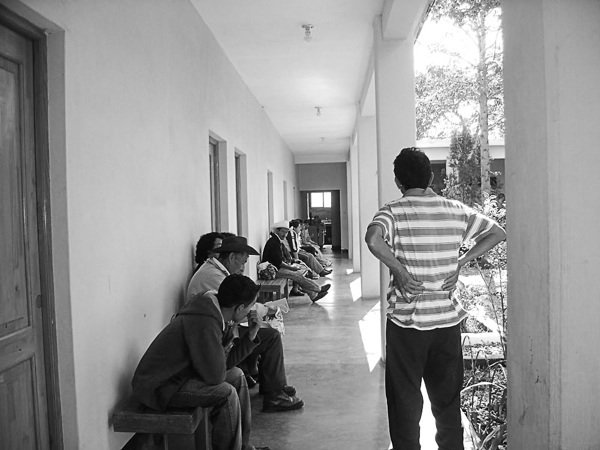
(281, 402)
(325, 272)
(325, 287)
(319, 296)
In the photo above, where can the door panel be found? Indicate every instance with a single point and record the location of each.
(23, 408)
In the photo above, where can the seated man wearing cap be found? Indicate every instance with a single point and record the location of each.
(274, 252)
(231, 258)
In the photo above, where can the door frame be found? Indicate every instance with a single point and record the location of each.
(42, 169)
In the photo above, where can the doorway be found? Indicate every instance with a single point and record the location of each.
(29, 397)
(323, 208)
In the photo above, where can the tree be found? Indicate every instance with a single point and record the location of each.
(480, 20)
(441, 95)
(463, 181)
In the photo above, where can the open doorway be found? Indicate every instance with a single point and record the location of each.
(322, 208)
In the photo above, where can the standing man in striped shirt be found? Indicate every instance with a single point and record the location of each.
(418, 238)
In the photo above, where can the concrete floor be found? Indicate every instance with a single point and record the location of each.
(332, 355)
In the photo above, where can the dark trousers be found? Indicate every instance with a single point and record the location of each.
(271, 367)
(435, 357)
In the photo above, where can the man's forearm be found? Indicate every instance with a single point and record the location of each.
(483, 245)
(380, 249)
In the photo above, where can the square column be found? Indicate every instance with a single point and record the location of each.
(552, 62)
(396, 124)
(368, 201)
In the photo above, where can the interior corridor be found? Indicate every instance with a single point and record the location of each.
(332, 353)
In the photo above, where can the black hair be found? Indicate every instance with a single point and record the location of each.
(294, 223)
(237, 289)
(227, 234)
(412, 168)
(205, 245)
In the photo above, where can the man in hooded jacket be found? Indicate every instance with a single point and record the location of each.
(192, 361)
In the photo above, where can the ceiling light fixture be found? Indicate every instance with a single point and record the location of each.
(307, 30)
(318, 108)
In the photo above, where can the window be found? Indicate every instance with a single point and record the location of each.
(320, 199)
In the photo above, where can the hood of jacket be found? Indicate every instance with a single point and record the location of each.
(202, 305)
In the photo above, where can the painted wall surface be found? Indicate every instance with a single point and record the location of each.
(324, 177)
(136, 88)
(554, 254)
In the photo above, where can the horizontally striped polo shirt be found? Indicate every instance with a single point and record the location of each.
(425, 233)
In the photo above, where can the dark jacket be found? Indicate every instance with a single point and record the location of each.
(273, 252)
(191, 346)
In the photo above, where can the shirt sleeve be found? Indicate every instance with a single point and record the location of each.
(385, 220)
(477, 224)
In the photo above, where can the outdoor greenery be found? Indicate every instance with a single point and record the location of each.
(466, 93)
(460, 96)
(484, 395)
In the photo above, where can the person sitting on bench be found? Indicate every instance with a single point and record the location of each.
(292, 243)
(191, 363)
(232, 256)
(274, 252)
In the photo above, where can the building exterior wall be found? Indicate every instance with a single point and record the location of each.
(136, 88)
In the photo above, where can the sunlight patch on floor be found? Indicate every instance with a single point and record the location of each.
(349, 271)
(356, 289)
(370, 331)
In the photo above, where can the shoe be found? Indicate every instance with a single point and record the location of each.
(325, 272)
(281, 402)
(250, 381)
(288, 390)
(296, 293)
(319, 296)
(325, 287)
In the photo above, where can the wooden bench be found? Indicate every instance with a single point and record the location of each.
(177, 426)
(273, 289)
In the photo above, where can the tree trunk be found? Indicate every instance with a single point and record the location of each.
(482, 81)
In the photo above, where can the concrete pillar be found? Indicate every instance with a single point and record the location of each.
(395, 106)
(552, 62)
(367, 197)
(396, 123)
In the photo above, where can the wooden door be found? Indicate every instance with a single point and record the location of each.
(23, 404)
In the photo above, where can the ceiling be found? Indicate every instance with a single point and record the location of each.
(290, 77)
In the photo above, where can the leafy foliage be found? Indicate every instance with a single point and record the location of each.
(463, 181)
(442, 87)
(484, 395)
(442, 96)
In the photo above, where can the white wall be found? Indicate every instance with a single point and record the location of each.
(136, 88)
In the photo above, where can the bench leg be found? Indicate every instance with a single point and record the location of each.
(179, 442)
